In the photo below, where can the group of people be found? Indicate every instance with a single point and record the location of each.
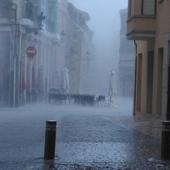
(80, 99)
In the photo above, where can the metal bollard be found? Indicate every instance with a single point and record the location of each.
(50, 140)
(165, 143)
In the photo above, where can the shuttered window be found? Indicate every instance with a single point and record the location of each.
(130, 8)
(4, 8)
(149, 7)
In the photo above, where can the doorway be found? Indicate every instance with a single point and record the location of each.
(139, 80)
(150, 66)
(159, 79)
(168, 93)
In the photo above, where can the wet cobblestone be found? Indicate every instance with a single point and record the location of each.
(144, 165)
(87, 139)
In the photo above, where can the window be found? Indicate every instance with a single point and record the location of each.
(139, 85)
(130, 8)
(4, 8)
(149, 7)
(168, 90)
(159, 79)
(150, 73)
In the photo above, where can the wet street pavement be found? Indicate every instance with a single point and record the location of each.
(99, 138)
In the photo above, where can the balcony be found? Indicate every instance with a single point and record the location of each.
(141, 27)
(141, 23)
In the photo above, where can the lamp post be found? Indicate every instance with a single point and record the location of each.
(112, 85)
(14, 58)
(110, 92)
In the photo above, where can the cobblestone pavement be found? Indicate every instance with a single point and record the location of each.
(96, 138)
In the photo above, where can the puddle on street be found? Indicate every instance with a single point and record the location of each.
(81, 152)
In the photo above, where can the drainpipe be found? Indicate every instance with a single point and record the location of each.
(15, 57)
(134, 102)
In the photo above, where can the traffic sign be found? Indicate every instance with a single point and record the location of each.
(31, 51)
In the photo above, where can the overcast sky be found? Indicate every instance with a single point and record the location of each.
(105, 23)
(104, 14)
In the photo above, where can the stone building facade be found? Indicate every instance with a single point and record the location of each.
(78, 40)
(148, 26)
(126, 60)
(41, 27)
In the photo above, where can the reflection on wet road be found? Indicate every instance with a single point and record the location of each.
(87, 138)
(113, 140)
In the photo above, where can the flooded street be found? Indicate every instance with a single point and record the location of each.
(101, 137)
(84, 85)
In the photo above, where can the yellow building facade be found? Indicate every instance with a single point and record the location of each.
(149, 27)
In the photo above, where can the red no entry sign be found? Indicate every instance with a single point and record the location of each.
(31, 52)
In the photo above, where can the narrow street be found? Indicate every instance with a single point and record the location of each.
(99, 70)
(100, 137)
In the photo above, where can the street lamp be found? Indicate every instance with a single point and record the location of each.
(14, 67)
(111, 85)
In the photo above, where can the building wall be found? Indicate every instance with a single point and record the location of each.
(126, 60)
(56, 29)
(162, 38)
(152, 92)
(143, 47)
(26, 76)
(51, 12)
(86, 63)
(77, 38)
(4, 64)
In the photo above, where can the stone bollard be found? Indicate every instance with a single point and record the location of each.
(50, 140)
(165, 143)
